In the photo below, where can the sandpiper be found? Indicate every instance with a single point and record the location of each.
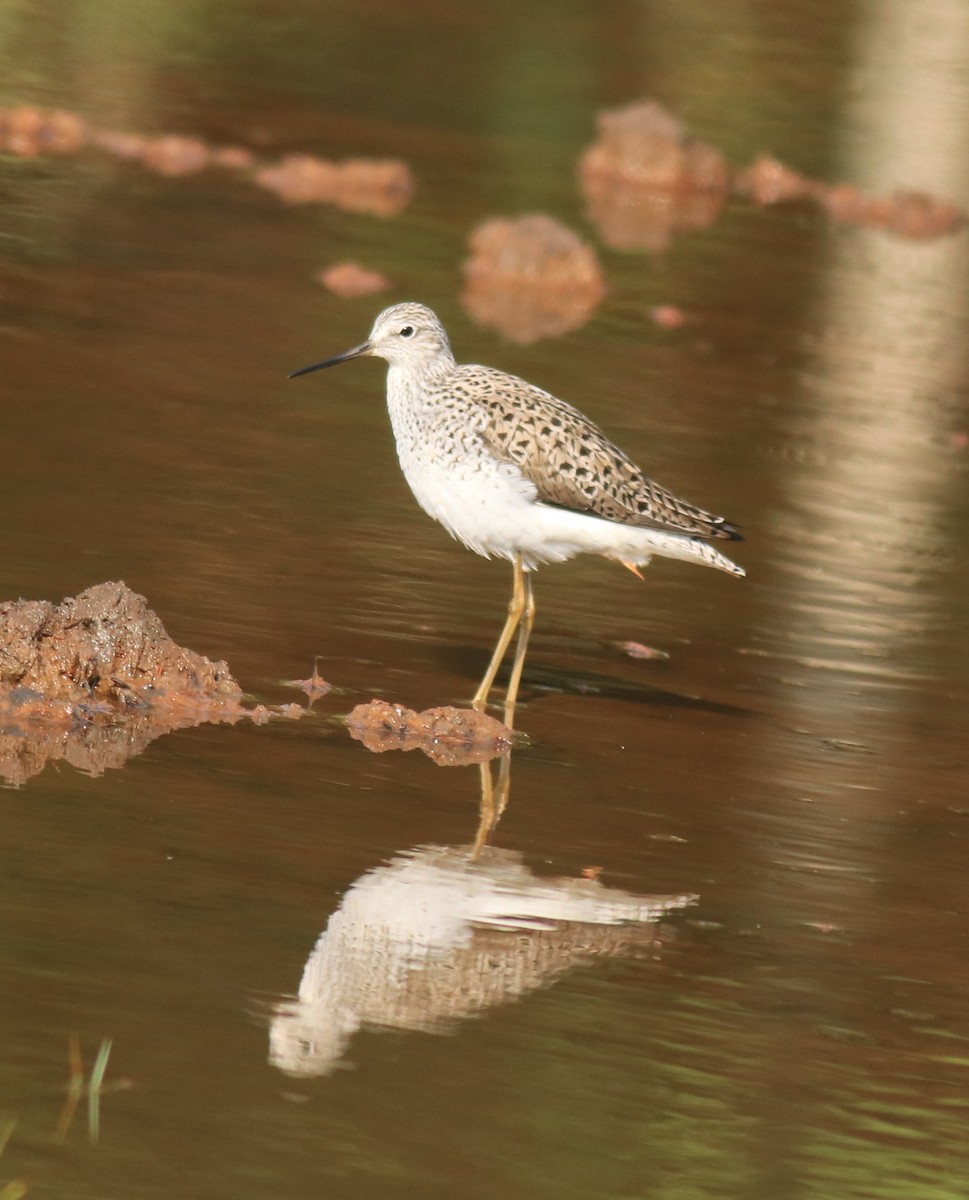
(513, 472)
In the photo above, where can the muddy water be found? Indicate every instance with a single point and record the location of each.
(799, 764)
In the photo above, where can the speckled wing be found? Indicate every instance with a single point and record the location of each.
(574, 465)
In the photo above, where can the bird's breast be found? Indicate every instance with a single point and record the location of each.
(455, 478)
(432, 431)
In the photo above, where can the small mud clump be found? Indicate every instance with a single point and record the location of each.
(348, 280)
(173, 155)
(452, 737)
(909, 214)
(29, 131)
(381, 187)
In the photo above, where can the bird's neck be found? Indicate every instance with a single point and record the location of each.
(415, 387)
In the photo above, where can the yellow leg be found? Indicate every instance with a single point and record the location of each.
(516, 607)
(525, 623)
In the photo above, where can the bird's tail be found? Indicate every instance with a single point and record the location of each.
(676, 546)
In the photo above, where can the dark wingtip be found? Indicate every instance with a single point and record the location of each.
(730, 531)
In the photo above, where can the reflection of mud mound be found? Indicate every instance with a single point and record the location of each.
(530, 278)
(433, 937)
(84, 735)
(645, 180)
(95, 679)
(452, 737)
(908, 213)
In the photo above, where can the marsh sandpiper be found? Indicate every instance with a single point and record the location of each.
(513, 472)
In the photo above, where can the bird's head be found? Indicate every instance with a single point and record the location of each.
(405, 335)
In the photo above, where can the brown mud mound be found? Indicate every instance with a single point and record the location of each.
(96, 678)
(104, 644)
(530, 278)
(452, 737)
(645, 180)
(643, 144)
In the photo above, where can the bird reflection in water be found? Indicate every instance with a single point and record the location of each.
(442, 933)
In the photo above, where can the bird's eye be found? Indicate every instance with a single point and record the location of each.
(407, 331)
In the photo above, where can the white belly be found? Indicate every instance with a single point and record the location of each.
(494, 510)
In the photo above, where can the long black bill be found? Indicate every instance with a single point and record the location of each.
(355, 352)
